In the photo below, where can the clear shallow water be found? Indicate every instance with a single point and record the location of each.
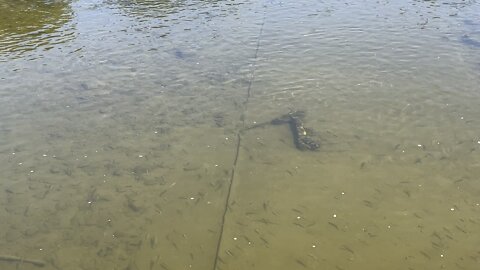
(119, 124)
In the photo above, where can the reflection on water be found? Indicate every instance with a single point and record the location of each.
(148, 8)
(159, 9)
(127, 151)
(26, 25)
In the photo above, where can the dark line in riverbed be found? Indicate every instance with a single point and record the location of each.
(239, 139)
(225, 210)
(255, 58)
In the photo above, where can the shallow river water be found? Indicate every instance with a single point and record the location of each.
(125, 140)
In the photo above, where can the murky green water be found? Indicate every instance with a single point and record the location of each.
(121, 141)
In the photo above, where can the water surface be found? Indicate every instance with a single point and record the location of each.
(122, 141)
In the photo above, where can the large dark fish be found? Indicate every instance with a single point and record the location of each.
(467, 40)
(179, 54)
(471, 23)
